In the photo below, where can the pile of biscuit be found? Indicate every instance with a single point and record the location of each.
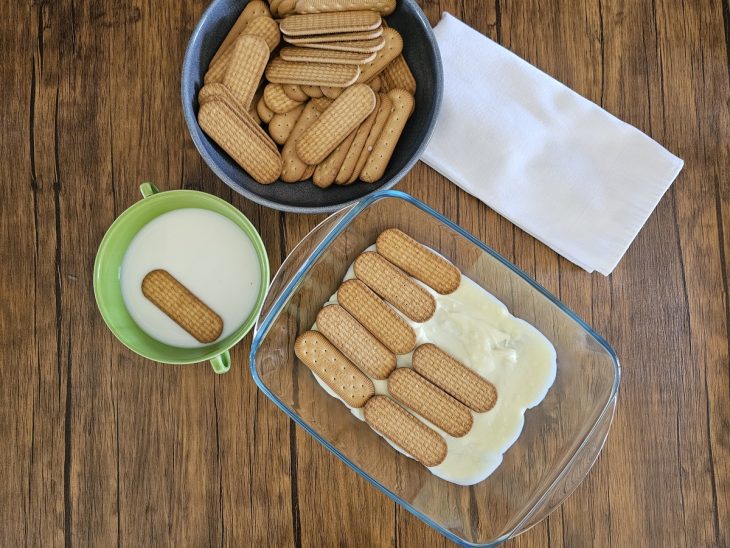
(357, 340)
(335, 96)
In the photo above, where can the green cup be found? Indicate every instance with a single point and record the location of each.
(108, 265)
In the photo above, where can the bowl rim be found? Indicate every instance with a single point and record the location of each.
(191, 121)
(261, 332)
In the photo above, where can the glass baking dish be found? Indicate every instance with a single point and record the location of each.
(562, 436)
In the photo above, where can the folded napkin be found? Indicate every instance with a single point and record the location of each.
(555, 164)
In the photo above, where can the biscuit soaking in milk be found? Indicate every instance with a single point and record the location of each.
(208, 254)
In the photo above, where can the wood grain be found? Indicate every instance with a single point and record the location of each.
(102, 448)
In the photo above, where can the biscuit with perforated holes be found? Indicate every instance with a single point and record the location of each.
(333, 368)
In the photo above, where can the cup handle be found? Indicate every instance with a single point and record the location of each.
(222, 362)
(148, 189)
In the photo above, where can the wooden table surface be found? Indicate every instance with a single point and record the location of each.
(101, 447)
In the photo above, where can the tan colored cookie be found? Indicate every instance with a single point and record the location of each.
(334, 369)
(296, 54)
(254, 9)
(355, 342)
(252, 109)
(242, 139)
(348, 164)
(345, 114)
(211, 91)
(312, 91)
(397, 75)
(311, 74)
(293, 168)
(380, 121)
(376, 84)
(245, 68)
(281, 125)
(322, 103)
(358, 46)
(263, 27)
(384, 147)
(264, 112)
(261, 134)
(286, 7)
(327, 23)
(184, 308)
(277, 100)
(418, 261)
(274, 5)
(406, 431)
(221, 93)
(332, 93)
(429, 401)
(393, 285)
(308, 173)
(376, 316)
(384, 7)
(392, 49)
(453, 377)
(326, 172)
(335, 37)
(293, 91)
(266, 28)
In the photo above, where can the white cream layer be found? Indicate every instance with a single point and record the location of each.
(207, 253)
(477, 329)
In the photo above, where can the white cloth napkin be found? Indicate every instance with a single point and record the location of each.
(555, 164)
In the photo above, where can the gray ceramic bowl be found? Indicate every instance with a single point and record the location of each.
(421, 53)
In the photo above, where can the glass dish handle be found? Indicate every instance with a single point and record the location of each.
(582, 463)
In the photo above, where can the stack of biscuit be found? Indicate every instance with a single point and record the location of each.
(336, 97)
(358, 339)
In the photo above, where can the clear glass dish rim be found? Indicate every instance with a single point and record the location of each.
(260, 333)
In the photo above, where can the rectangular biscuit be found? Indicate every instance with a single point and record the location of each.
(335, 370)
(266, 28)
(326, 171)
(311, 74)
(332, 92)
(429, 401)
(358, 46)
(297, 54)
(254, 9)
(335, 37)
(294, 169)
(294, 91)
(358, 143)
(245, 68)
(376, 316)
(455, 378)
(342, 117)
(180, 305)
(242, 139)
(384, 7)
(418, 261)
(380, 120)
(394, 286)
(355, 342)
(397, 75)
(277, 100)
(327, 23)
(377, 162)
(312, 91)
(406, 431)
(392, 49)
(281, 125)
